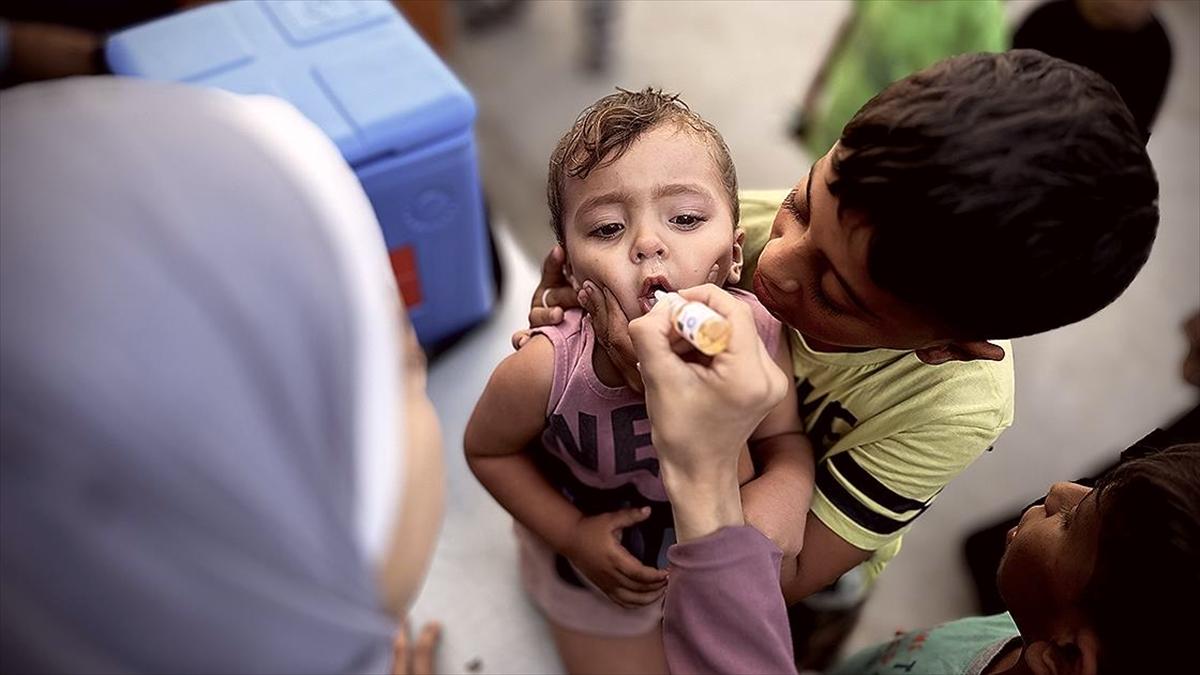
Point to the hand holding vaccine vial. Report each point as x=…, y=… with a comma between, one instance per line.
x=697, y=323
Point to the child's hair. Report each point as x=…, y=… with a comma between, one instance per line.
x=1008, y=194
x=1145, y=585
x=606, y=129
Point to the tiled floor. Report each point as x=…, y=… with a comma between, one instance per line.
x=1083, y=392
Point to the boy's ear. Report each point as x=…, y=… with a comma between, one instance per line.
x=735, y=268
x=978, y=350
x=1075, y=655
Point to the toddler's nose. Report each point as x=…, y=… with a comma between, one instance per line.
x=648, y=246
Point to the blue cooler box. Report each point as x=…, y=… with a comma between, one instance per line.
x=401, y=119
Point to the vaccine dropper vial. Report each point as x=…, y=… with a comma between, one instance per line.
x=697, y=323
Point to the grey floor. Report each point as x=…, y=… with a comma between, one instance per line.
x=1083, y=392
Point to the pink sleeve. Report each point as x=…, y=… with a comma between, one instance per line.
x=724, y=611
x=566, y=337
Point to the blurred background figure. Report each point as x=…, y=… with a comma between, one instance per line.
x=596, y=18
x=881, y=41
x=47, y=39
x=1120, y=39
x=61, y=38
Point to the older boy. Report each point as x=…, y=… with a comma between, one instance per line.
x=988, y=196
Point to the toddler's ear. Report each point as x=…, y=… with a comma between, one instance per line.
x=735, y=268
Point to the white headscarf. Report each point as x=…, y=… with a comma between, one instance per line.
x=199, y=387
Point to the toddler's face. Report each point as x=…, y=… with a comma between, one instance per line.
x=657, y=218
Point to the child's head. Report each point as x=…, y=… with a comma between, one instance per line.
x=1107, y=580
x=988, y=196
x=643, y=195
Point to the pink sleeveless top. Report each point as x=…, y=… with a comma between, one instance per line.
x=597, y=438
x=596, y=450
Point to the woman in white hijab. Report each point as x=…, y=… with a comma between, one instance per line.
x=216, y=452
x=207, y=416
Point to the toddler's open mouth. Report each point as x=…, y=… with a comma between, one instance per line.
x=650, y=285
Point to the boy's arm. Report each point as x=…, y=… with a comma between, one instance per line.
x=823, y=559
x=777, y=501
x=869, y=495
x=510, y=415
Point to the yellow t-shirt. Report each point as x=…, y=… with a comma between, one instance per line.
x=889, y=431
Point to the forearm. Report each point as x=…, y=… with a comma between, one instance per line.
x=515, y=482
x=776, y=502
x=703, y=502
x=723, y=610
x=785, y=463
x=782, y=489
x=824, y=557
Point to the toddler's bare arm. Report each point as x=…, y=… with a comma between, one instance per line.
x=508, y=417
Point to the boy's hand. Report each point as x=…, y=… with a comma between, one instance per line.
x=596, y=550
x=612, y=331
x=553, y=296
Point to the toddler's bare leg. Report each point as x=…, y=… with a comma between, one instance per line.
x=584, y=654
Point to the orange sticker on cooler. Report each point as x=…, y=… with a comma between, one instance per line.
x=404, y=266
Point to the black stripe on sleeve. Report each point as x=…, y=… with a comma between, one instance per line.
x=870, y=486
x=853, y=509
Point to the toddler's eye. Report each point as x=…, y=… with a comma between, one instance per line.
x=608, y=230
x=687, y=221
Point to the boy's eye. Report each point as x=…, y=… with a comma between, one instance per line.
x=687, y=221
x=823, y=300
x=825, y=304
x=608, y=230
x=790, y=204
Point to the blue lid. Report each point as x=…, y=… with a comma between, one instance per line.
x=356, y=69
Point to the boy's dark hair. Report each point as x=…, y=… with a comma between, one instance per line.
x=606, y=129
x=1009, y=194
x=1145, y=587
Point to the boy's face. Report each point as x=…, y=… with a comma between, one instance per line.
x=657, y=218
x=813, y=275
x=1048, y=561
